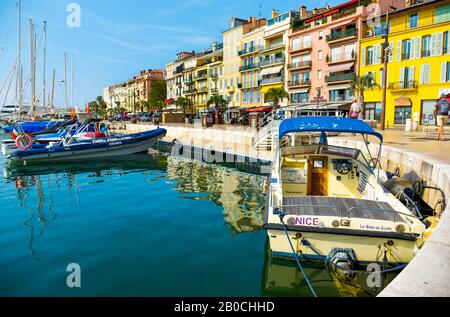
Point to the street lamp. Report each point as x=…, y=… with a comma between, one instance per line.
x=387, y=51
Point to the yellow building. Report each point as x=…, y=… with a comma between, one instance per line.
x=250, y=53
x=419, y=62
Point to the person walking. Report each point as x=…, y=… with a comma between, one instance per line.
x=355, y=110
x=441, y=112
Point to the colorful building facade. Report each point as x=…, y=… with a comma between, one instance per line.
x=419, y=62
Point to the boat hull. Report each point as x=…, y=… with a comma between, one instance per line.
x=98, y=149
x=318, y=245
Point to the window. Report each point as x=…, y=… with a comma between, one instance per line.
x=370, y=55
x=406, y=49
x=426, y=112
x=442, y=14
x=301, y=97
x=446, y=43
x=401, y=114
x=320, y=35
x=445, y=72
x=307, y=41
x=320, y=55
x=296, y=44
x=425, y=74
x=426, y=46
x=373, y=110
x=413, y=20
x=319, y=74
x=335, y=54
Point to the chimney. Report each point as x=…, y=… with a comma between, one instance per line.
x=303, y=12
x=315, y=11
x=275, y=13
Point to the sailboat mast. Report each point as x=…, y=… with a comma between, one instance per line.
x=65, y=81
x=45, y=60
x=53, y=90
x=32, y=63
x=19, y=60
x=73, y=62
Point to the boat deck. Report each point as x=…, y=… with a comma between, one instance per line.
x=339, y=207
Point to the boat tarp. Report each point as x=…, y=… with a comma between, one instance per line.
x=326, y=124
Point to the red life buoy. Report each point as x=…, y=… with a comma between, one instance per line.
x=94, y=135
x=24, y=142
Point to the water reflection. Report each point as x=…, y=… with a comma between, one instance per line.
x=283, y=278
x=240, y=194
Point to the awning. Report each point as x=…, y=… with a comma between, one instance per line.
x=265, y=89
x=403, y=101
x=170, y=101
x=326, y=124
x=298, y=91
x=338, y=87
x=339, y=68
x=271, y=70
x=260, y=109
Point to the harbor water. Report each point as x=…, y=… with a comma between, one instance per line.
x=147, y=225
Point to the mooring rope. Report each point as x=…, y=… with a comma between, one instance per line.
x=296, y=256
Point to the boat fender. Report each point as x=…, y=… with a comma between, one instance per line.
x=343, y=261
x=24, y=142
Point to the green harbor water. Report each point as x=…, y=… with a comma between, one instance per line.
x=150, y=225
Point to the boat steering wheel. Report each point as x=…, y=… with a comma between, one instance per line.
x=344, y=168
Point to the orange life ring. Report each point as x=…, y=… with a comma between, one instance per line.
x=20, y=142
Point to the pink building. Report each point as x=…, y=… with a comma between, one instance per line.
x=323, y=55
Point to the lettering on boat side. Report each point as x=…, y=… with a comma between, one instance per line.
x=371, y=227
x=73, y=280
x=307, y=221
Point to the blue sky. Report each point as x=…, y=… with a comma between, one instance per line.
x=119, y=38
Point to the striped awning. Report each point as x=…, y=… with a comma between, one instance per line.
x=271, y=70
x=339, y=68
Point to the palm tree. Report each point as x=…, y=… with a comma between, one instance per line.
x=185, y=104
x=276, y=95
x=358, y=84
x=218, y=101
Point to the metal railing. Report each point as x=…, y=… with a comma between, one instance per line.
x=341, y=35
x=272, y=80
x=411, y=84
x=339, y=77
x=303, y=46
x=248, y=67
x=293, y=83
x=272, y=61
x=251, y=49
x=300, y=64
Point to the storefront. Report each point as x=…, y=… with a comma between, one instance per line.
x=372, y=111
x=402, y=110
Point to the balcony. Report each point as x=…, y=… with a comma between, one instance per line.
x=274, y=47
x=341, y=15
x=340, y=58
x=403, y=85
x=250, y=50
x=273, y=61
x=339, y=77
x=202, y=90
x=188, y=81
x=214, y=91
x=343, y=35
x=201, y=76
x=300, y=48
x=189, y=91
x=341, y=98
x=249, y=85
x=299, y=83
x=272, y=80
x=214, y=76
x=302, y=64
x=248, y=67
x=406, y=56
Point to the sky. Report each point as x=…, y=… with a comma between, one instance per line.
x=116, y=39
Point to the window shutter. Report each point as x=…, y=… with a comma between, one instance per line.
x=433, y=45
x=427, y=74
x=363, y=56
x=411, y=74
x=402, y=74
x=439, y=44
x=412, y=52
x=399, y=51
x=443, y=72
x=391, y=51
x=380, y=54
x=418, y=46
x=422, y=73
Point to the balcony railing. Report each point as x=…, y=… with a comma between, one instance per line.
x=202, y=89
x=341, y=57
x=201, y=76
x=214, y=90
x=248, y=67
x=300, y=64
x=410, y=84
x=249, y=84
x=293, y=83
x=339, y=77
x=189, y=91
x=251, y=49
x=272, y=61
x=272, y=80
x=303, y=46
x=340, y=98
x=427, y=53
x=406, y=56
x=213, y=76
x=341, y=35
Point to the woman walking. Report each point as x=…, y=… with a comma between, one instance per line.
x=441, y=112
